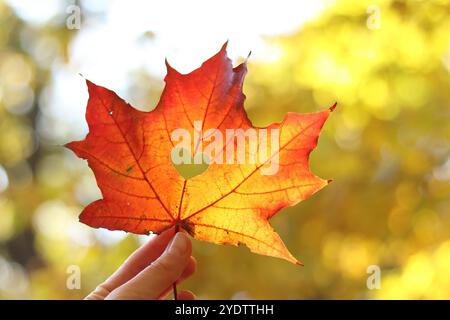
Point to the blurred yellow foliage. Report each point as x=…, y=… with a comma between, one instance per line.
x=387, y=148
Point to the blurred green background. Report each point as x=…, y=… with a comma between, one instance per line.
x=387, y=146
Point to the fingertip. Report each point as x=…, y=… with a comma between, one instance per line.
x=159, y=241
x=190, y=269
x=186, y=295
x=193, y=262
x=166, y=234
x=180, y=245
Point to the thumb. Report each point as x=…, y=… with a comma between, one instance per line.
x=151, y=282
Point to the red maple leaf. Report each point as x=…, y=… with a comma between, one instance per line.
x=129, y=152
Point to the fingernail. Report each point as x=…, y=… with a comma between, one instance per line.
x=179, y=244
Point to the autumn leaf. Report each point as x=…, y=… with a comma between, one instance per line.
x=130, y=152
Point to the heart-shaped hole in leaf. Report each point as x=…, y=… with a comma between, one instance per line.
x=188, y=166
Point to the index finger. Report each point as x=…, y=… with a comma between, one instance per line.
x=138, y=261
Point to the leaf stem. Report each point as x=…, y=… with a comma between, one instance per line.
x=174, y=285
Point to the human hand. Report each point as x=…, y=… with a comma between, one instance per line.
x=151, y=270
